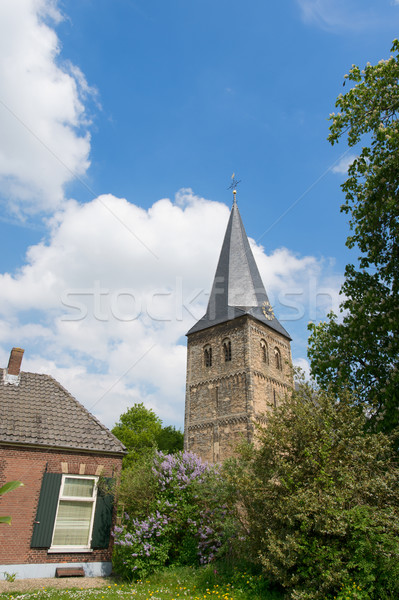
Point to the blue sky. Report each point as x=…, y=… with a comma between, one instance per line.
x=122, y=123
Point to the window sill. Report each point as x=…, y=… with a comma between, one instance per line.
x=68, y=550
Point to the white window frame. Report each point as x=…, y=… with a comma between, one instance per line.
x=93, y=500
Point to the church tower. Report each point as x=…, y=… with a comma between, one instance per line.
x=238, y=355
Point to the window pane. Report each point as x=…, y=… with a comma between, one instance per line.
x=72, y=527
x=83, y=488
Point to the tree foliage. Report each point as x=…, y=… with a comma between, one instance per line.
x=170, y=440
x=362, y=351
x=137, y=429
x=141, y=431
x=319, y=499
x=8, y=487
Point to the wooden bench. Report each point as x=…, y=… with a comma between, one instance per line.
x=69, y=572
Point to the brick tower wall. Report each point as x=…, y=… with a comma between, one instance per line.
x=225, y=399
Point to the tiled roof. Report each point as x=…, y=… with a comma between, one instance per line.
x=41, y=412
x=237, y=288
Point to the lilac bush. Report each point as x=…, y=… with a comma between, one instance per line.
x=178, y=470
x=185, y=524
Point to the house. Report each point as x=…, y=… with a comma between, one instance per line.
x=238, y=354
x=67, y=460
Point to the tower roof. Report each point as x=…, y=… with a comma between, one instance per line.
x=237, y=288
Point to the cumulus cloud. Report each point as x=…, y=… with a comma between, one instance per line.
x=299, y=286
x=44, y=140
x=303, y=364
x=105, y=303
x=343, y=165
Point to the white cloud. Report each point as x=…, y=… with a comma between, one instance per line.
x=103, y=306
x=343, y=165
x=297, y=286
x=337, y=15
x=44, y=141
x=315, y=11
x=304, y=365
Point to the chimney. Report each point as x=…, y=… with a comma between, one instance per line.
x=14, y=364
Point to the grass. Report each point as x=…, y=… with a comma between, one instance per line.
x=180, y=583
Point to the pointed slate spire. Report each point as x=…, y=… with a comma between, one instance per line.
x=237, y=288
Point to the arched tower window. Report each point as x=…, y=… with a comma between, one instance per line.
x=208, y=356
x=265, y=351
x=277, y=357
x=227, y=350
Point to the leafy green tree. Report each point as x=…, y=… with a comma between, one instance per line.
x=362, y=351
x=170, y=440
x=141, y=431
x=319, y=499
x=137, y=429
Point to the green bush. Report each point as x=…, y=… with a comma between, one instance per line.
x=319, y=499
x=179, y=518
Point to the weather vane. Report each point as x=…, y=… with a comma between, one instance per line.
x=234, y=183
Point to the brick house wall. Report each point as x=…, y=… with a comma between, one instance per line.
x=28, y=465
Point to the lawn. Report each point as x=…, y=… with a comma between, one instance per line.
x=171, y=584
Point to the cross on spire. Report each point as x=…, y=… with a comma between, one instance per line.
x=234, y=183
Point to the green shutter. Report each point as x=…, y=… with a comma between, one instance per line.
x=103, y=515
x=46, y=511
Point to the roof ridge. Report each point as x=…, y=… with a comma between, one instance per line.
x=108, y=431
x=41, y=411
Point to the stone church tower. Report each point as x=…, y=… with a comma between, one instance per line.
x=238, y=355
